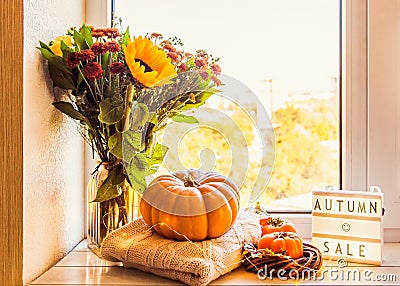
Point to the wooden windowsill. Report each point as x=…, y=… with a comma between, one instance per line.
x=82, y=267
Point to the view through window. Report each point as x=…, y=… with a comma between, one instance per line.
x=287, y=53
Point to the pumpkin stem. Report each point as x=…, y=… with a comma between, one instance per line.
x=189, y=181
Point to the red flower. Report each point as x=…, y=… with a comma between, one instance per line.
x=203, y=74
x=112, y=47
x=111, y=32
x=98, y=48
x=202, y=54
x=200, y=62
x=166, y=45
x=86, y=55
x=117, y=68
x=216, y=80
x=98, y=34
x=174, y=56
x=170, y=48
x=73, y=59
x=93, y=71
x=188, y=55
x=216, y=69
x=182, y=67
x=156, y=35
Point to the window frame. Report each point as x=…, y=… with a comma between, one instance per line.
x=355, y=95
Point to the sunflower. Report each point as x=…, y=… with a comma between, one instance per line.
x=148, y=64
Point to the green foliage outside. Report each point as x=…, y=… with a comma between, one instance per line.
x=306, y=149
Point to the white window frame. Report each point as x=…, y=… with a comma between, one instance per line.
x=361, y=105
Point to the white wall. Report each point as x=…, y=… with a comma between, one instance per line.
x=53, y=149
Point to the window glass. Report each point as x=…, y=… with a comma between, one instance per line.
x=285, y=53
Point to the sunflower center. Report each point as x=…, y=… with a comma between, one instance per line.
x=146, y=66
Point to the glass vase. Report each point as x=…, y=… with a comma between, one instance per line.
x=104, y=217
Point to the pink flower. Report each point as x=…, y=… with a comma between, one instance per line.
x=93, y=71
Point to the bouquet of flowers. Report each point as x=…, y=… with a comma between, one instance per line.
x=121, y=91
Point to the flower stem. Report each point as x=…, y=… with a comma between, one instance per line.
x=128, y=105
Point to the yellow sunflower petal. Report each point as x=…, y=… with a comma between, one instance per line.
x=140, y=54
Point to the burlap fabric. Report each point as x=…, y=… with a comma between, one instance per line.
x=136, y=245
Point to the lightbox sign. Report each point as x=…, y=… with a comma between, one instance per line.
x=348, y=224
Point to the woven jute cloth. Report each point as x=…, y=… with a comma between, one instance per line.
x=136, y=245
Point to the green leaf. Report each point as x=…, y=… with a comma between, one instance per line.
x=65, y=50
x=55, y=60
x=201, y=97
x=79, y=80
x=119, y=176
x=80, y=41
x=60, y=74
x=115, y=145
x=68, y=109
x=44, y=46
x=139, y=115
x=158, y=153
x=107, y=189
x=111, y=110
x=153, y=118
x=137, y=171
x=126, y=37
x=185, y=119
x=141, y=162
x=87, y=35
x=47, y=53
x=104, y=62
x=131, y=144
x=60, y=78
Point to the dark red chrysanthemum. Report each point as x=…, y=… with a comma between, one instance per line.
x=98, y=48
x=216, y=80
x=155, y=35
x=216, y=69
x=200, y=62
x=174, y=56
x=86, y=55
x=112, y=47
x=188, y=55
x=98, y=34
x=93, y=71
x=170, y=48
x=111, y=32
x=203, y=74
x=182, y=67
x=117, y=68
x=73, y=59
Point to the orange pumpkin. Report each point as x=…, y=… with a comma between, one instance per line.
x=269, y=225
x=287, y=243
x=190, y=204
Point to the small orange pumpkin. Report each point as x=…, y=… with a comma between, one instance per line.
x=190, y=204
x=287, y=243
x=276, y=224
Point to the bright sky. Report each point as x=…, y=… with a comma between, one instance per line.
x=293, y=42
